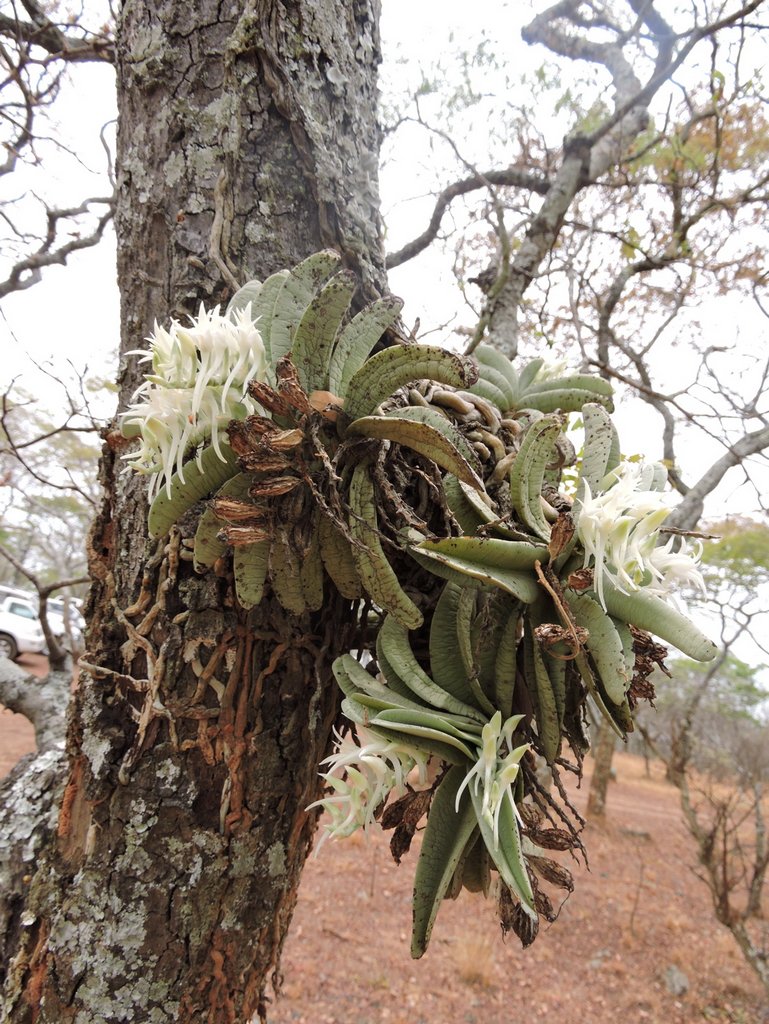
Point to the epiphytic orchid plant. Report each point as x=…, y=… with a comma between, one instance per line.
x=427, y=489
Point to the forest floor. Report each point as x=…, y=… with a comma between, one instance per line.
x=636, y=942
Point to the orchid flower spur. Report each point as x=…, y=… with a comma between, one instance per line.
x=362, y=778
x=619, y=530
x=495, y=771
x=199, y=381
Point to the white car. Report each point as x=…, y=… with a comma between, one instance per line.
x=20, y=629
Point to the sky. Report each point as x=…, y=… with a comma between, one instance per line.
x=72, y=315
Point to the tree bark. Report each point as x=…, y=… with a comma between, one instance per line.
x=247, y=140
x=42, y=701
x=599, y=784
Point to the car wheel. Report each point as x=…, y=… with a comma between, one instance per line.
x=8, y=646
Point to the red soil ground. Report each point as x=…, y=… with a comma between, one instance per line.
x=638, y=912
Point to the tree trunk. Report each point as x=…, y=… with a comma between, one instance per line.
x=247, y=140
x=599, y=784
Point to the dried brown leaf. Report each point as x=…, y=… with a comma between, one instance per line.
x=273, y=486
x=238, y=536
x=581, y=579
x=513, y=918
x=562, y=532
x=552, y=838
x=552, y=872
x=269, y=398
x=234, y=511
x=404, y=816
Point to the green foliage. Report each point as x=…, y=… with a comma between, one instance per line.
x=715, y=718
x=736, y=690
x=740, y=554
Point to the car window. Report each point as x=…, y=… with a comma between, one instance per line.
x=17, y=608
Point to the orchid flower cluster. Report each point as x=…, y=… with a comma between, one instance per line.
x=362, y=778
x=198, y=383
x=493, y=774
x=620, y=532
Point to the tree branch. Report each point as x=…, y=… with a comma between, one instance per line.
x=47, y=254
x=513, y=177
x=58, y=656
x=42, y=701
x=663, y=72
x=46, y=34
x=587, y=157
x=686, y=515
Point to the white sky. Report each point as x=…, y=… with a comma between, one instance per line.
x=72, y=314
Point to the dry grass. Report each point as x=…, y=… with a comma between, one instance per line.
x=474, y=955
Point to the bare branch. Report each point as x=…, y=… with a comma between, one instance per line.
x=586, y=157
x=35, y=52
x=15, y=448
x=664, y=70
x=512, y=177
x=42, y=32
x=43, y=589
x=42, y=701
x=27, y=272
x=686, y=515
x=58, y=656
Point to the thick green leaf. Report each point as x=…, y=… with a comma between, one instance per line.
x=356, y=340
x=315, y=335
x=652, y=613
x=199, y=477
x=507, y=853
x=249, y=567
x=444, y=839
x=396, y=646
x=420, y=437
x=382, y=375
x=445, y=659
x=296, y=295
x=521, y=585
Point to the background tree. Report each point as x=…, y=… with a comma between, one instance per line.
x=50, y=489
x=710, y=733
x=216, y=114
x=619, y=242
x=38, y=45
x=728, y=823
x=730, y=689
x=48, y=486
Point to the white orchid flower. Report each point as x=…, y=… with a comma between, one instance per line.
x=496, y=769
x=620, y=533
x=198, y=384
x=675, y=569
x=362, y=778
